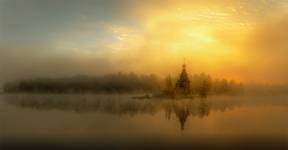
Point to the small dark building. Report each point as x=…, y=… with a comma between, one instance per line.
x=182, y=86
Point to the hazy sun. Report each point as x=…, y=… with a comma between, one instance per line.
x=206, y=37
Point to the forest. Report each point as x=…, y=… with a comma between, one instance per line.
x=123, y=83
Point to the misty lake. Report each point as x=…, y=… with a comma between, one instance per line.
x=121, y=122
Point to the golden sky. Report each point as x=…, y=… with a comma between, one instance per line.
x=244, y=40
x=223, y=38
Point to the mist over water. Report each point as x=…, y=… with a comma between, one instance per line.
x=119, y=121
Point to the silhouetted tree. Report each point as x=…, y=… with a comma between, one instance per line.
x=205, y=87
x=169, y=86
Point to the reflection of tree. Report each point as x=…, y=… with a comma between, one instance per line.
x=204, y=108
x=122, y=105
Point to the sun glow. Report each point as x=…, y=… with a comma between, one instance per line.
x=206, y=37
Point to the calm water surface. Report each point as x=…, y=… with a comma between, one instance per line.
x=121, y=122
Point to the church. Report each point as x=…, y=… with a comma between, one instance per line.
x=182, y=86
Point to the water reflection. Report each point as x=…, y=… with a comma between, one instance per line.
x=185, y=108
x=109, y=121
x=122, y=105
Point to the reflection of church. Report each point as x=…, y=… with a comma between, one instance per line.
x=182, y=113
x=184, y=108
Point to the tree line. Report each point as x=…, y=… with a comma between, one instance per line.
x=115, y=83
x=123, y=83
